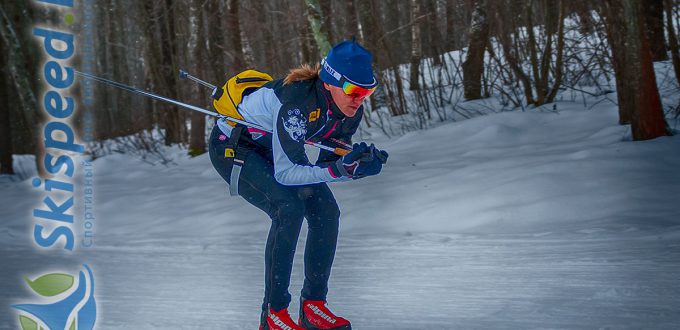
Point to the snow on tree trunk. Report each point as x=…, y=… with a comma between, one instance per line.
x=315, y=17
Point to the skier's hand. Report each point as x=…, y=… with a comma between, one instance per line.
x=381, y=154
x=346, y=165
x=359, y=151
x=371, y=165
x=362, y=161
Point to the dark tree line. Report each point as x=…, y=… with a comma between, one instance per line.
x=20, y=61
x=529, y=56
x=635, y=33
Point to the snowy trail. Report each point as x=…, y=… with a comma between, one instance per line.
x=422, y=281
x=525, y=220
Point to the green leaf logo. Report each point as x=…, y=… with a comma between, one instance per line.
x=69, y=19
x=51, y=284
x=27, y=323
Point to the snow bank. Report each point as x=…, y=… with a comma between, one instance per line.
x=512, y=172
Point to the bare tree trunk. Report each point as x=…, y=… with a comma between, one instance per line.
x=559, y=63
x=672, y=38
x=653, y=24
x=108, y=66
x=450, y=43
x=197, y=135
x=216, y=50
x=326, y=10
x=310, y=52
x=28, y=109
x=175, y=129
x=123, y=112
x=647, y=118
x=533, y=53
x=543, y=70
x=435, y=39
x=316, y=19
x=151, y=56
x=505, y=38
x=235, y=43
x=617, y=42
x=248, y=53
x=6, y=149
x=265, y=40
x=416, y=46
x=375, y=37
x=473, y=67
x=552, y=26
x=352, y=22
x=587, y=23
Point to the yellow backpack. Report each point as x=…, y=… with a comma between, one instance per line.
x=228, y=98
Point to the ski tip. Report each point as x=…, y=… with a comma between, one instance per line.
x=182, y=74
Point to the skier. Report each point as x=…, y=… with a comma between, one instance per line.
x=273, y=173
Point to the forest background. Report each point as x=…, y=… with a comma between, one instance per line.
x=429, y=58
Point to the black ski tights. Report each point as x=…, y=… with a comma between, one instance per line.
x=287, y=206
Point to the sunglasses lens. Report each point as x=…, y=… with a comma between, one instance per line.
x=356, y=91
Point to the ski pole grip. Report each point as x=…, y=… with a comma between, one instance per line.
x=341, y=151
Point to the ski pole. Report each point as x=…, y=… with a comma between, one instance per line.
x=185, y=75
x=338, y=151
x=169, y=100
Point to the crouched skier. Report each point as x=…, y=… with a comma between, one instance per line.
x=272, y=172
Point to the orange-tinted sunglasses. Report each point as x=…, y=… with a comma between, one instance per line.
x=355, y=90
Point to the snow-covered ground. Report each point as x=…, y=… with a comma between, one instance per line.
x=518, y=220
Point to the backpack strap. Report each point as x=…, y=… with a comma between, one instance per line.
x=237, y=155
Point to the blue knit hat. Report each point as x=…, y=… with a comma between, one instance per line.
x=349, y=60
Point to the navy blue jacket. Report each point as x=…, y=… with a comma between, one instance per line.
x=295, y=113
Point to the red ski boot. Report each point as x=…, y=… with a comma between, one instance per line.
x=315, y=315
x=278, y=321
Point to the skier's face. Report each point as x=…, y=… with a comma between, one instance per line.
x=348, y=104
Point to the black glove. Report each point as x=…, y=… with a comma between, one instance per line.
x=381, y=154
x=371, y=165
x=362, y=161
